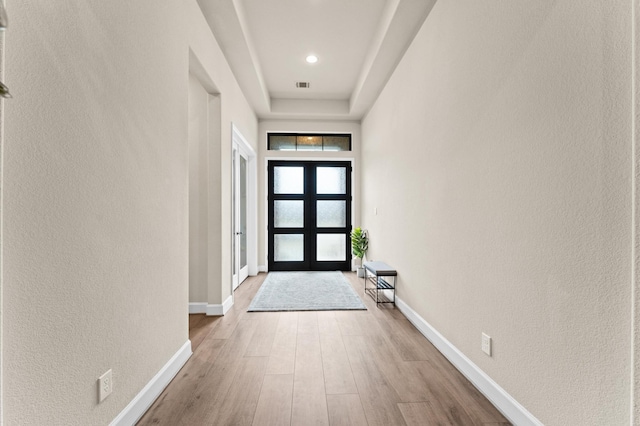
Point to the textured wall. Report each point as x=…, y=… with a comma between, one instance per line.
x=95, y=175
x=636, y=259
x=499, y=159
x=2, y=108
x=198, y=190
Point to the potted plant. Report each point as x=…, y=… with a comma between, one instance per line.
x=359, y=246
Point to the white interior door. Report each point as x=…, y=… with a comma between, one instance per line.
x=240, y=203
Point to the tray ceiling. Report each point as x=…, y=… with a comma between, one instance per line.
x=358, y=44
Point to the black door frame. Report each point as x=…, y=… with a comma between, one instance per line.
x=310, y=229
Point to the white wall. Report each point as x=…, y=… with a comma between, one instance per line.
x=198, y=200
x=205, y=184
x=2, y=109
x=284, y=126
x=499, y=159
x=95, y=201
x=636, y=231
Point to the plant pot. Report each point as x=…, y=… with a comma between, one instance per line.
x=360, y=272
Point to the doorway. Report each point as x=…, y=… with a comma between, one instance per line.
x=309, y=212
x=239, y=238
x=244, y=210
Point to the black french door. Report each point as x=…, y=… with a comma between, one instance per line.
x=309, y=215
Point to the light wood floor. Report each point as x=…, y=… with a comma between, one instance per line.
x=316, y=368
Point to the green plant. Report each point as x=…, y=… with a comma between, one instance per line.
x=359, y=243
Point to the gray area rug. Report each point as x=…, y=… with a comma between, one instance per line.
x=306, y=291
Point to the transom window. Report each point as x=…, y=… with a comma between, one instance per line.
x=308, y=142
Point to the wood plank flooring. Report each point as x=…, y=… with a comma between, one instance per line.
x=316, y=368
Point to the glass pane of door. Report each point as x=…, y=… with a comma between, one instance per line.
x=288, y=247
x=288, y=180
x=243, y=212
x=331, y=180
x=288, y=213
x=234, y=208
x=331, y=213
x=331, y=247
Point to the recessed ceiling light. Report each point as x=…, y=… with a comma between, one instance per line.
x=312, y=59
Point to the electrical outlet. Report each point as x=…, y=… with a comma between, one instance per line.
x=486, y=344
x=105, y=386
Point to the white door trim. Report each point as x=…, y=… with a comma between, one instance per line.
x=239, y=142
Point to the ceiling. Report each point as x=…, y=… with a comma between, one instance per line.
x=358, y=44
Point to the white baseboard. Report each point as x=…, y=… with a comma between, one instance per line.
x=227, y=305
x=262, y=268
x=512, y=410
x=141, y=403
x=211, y=309
x=219, y=310
x=197, y=307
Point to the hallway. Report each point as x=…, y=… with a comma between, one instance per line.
x=495, y=164
x=301, y=368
